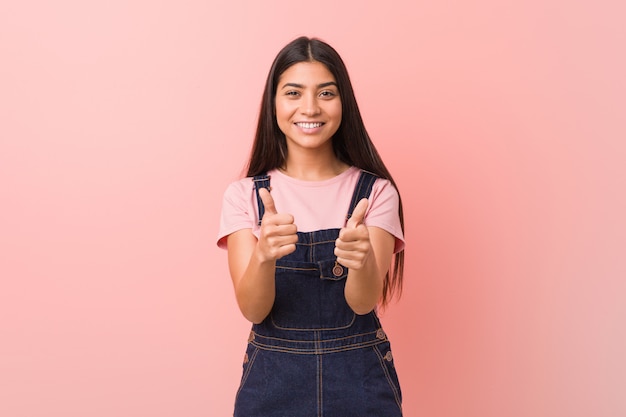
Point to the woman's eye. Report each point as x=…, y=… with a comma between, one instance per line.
x=327, y=93
x=291, y=93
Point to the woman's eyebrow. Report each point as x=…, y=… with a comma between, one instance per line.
x=322, y=85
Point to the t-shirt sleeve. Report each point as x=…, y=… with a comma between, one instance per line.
x=384, y=211
x=236, y=210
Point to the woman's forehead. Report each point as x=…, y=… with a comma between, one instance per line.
x=302, y=72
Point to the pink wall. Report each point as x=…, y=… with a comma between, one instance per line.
x=122, y=122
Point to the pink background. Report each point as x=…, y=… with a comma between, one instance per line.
x=122, y=122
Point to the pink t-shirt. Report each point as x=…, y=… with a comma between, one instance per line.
x=315, y=205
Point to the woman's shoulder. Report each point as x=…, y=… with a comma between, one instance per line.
x=380, y=183
x=239, y=190
x=240, y=184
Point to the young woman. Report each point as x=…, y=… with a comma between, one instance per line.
x=315, y=243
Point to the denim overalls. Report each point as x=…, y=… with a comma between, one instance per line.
x=313, y=356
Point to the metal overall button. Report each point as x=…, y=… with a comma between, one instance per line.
x=380, y=334
x=337, y=270
x=245, y=358
x=389, y=356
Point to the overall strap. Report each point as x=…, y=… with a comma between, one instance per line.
x=362, y=190
x=261, y=181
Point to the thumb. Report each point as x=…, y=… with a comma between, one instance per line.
x=358, y=214
x=268, y=201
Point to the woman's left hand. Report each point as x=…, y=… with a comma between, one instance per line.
x=353, y=246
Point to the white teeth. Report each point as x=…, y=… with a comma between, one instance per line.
x=309, y=125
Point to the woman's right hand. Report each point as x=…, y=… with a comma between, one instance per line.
x=278, y=236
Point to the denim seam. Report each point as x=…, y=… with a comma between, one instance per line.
x=320, y=392
x=247, y=372
x=316, y=350
x=336, y=339
x=303, y=329
x=381, y=360
x=293, y=268
x=314, y=243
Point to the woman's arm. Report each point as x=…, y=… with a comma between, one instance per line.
x=367, y=253
x=252, y=262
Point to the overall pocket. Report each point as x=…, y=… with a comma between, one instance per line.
x=311, y=296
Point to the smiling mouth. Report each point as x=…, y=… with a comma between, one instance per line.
x=305, y=125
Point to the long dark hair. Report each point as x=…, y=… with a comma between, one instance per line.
x=351, y=143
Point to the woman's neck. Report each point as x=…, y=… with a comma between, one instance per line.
x=313, y=168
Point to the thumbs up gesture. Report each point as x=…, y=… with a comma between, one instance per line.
x=278, y=232
x=353, y=245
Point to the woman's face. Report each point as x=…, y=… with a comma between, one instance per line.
x=308, y=106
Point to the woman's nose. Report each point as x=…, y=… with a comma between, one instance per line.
x=310, y=106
